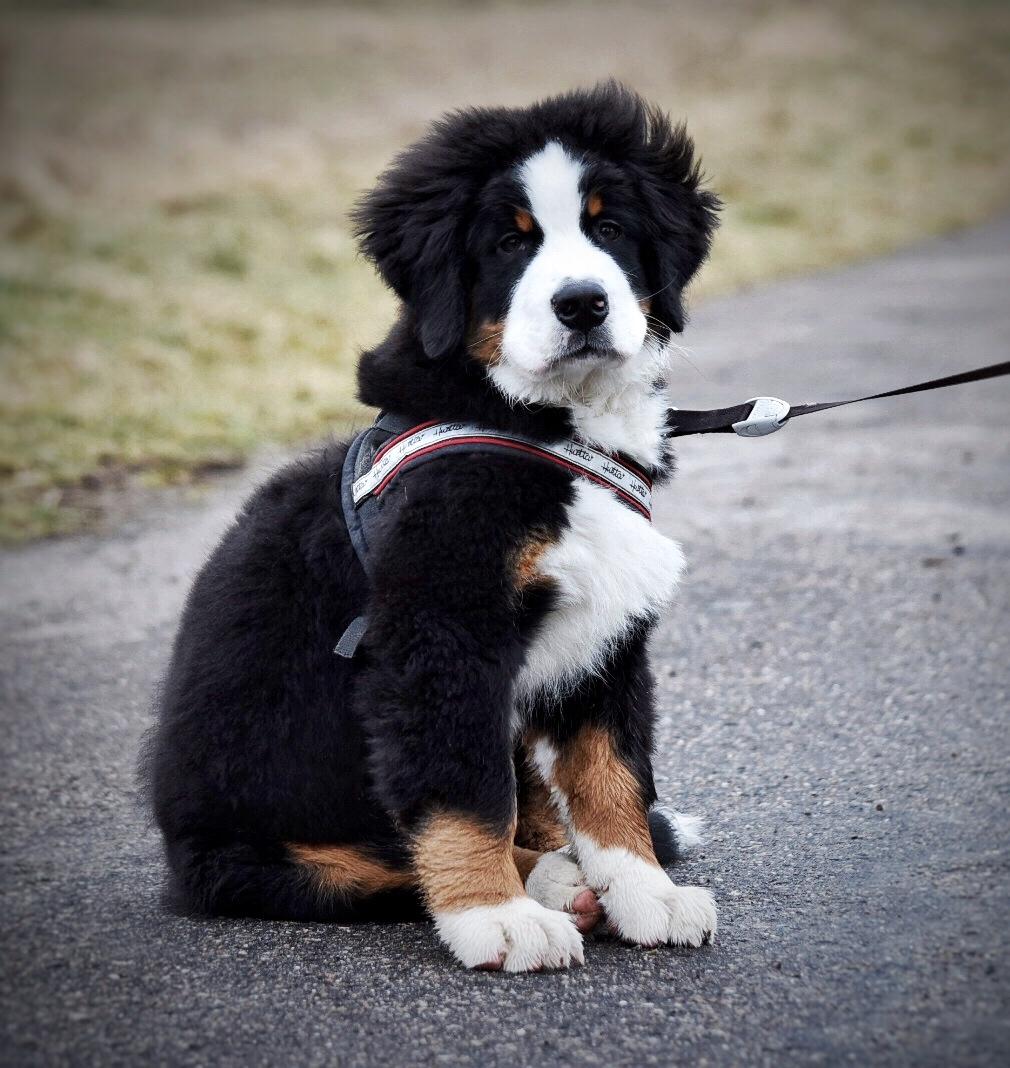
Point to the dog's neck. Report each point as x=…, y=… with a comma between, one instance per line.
x=615, y=406
x=612, y=408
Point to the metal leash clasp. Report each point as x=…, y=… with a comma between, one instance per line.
x=768, y=415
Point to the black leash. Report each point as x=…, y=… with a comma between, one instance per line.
x=376, y=455
x=764, y=415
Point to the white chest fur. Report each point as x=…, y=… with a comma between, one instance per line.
x=610, y=567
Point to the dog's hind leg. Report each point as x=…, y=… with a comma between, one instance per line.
x=550, y=874
x=290, y=882
x=364, y=882
x=556, y=881
x=539, y=826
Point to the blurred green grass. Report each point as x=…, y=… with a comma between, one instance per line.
x=177, y=282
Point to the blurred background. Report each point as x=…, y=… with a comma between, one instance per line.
x=177, y=283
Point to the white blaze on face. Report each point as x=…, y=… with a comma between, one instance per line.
x=533, y=337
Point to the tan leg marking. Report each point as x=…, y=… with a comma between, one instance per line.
x=540, y=826
x=610, y=835
x=525, y=860
x=459, y=864
x=604, y=798
x=348, y=869
x=345, y=868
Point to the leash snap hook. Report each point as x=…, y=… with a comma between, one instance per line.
x=768, y=415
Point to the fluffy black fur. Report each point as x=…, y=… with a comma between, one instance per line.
x=416, y=224
x=264, y=737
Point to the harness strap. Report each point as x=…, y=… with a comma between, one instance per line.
x=631, y=485
x=763, y=415
x=358, y=520
x=392, y=445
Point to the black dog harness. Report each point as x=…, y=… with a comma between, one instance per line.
x=393, y=445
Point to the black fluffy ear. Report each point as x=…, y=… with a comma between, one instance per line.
x=681, y=216
x=412, y=227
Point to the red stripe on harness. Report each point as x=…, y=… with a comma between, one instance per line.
x=506, y=444
x=399, y=437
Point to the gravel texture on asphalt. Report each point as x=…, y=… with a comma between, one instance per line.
x=834, y=689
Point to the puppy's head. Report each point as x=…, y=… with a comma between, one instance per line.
x=547, y=244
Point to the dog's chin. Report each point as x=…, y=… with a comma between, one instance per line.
x=590, y=352
x=556, y=377
x=577, y=358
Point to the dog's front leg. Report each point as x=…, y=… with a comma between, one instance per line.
x=595, y=754
x=468, y=874
x=605, y=805
x=437, y=706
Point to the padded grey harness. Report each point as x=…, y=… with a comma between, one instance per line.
x=392, y=445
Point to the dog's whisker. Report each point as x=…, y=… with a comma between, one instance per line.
x=662, y=289
x=490, y=337
x=683, y=353
x=674, y=346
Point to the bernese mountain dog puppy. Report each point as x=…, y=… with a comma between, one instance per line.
x=484, y=753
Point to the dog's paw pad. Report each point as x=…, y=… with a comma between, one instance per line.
x=518, y=936
x=587, y=910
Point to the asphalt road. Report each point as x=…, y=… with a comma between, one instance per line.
x=835, y=696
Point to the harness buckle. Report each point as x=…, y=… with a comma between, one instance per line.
x=768, y=415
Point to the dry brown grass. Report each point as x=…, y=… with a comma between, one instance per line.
x=177, y=280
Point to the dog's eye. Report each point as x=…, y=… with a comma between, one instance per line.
x=510, y=244
x=608, y=230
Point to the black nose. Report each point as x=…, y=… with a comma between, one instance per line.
x=580, y=305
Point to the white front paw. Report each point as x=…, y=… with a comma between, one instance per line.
x=645, y=907
x=517, y=936
x=556, y=881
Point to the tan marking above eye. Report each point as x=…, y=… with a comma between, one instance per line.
x=460, y=863
x=524, y=221
x=594, y=205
